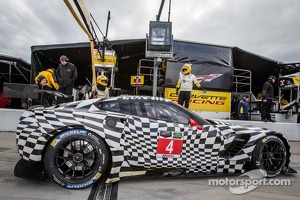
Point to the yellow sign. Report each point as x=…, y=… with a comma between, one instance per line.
x=296, y=80
x=137, y=80
x=110, y=59
x=212, y=101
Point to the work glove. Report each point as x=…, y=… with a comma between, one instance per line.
x=94, y=94
x=203, y=90
x=177, y=91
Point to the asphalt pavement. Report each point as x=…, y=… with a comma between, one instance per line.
x=12, y=187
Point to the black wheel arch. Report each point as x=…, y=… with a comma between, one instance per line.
x=248, y=165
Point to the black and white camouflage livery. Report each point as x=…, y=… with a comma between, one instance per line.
x=130, y=140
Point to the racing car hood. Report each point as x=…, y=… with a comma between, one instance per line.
x=238, y=129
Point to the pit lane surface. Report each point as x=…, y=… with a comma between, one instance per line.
x=12, y=187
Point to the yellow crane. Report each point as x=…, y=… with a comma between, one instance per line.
x=101, y=57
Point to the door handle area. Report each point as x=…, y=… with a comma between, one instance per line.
x=165, y=133
x=123, y=120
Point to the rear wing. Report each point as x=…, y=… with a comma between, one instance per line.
x=17, y=90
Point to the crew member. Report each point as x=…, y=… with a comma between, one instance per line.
x=44, y=98
x=185, y=85
x=243, y=108
x=101, y=91
x=50, y=76
x=66, y=74
x=267, y=99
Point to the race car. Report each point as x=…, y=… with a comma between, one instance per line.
x=76, y=143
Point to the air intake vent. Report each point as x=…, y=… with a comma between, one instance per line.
x=237, y=144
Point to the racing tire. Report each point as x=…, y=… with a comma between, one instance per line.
x=270, y=155
x=76, y=158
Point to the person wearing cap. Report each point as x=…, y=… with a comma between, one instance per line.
x=44, y=98
x=66, y=74
x=50, y=76
x=185, y=84
x=267, y=99
x=243, y=108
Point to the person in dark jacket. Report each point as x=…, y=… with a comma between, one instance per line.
x=66, y=74
x=267, y=99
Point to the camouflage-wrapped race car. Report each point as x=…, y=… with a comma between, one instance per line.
x=78, y=142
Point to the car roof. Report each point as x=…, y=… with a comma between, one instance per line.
x=136, y=97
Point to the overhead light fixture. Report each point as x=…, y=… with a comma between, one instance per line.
x=159, y=44
x=160, y=36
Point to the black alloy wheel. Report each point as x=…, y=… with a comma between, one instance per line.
x=76, y=159
x=270, y=154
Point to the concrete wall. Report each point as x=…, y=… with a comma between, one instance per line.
x=291, y=131
x=9, y=119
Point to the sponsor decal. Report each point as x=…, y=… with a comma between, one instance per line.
x=211, y=101
x=83, y=185
x=167, y=156
x=207, y=78
x=177, y=135
x=68, y=132
x=54, y=142
x=93, y=136
x=58, y=181
x=72, y=131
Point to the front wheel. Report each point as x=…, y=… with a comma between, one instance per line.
x=76, y=158
x=270, y=154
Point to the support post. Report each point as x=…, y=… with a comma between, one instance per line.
x=157, y=61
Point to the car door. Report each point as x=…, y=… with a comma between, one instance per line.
x=165, y=135
x=201, y=142
x=152, y=138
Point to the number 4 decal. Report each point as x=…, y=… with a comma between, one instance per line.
x=169, y=146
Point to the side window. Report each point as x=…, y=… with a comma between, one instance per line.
x=158, y=111
x=125, y=107
x=163, y=113
x=110, y=106
x=179, y=116
x=137, y=109
x=149, y=109
x=116, y=106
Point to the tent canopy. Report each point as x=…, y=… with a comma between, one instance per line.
x=129, y=53
x=13, y=69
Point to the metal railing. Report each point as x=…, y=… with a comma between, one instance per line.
x=146, y=68
x=242, y=80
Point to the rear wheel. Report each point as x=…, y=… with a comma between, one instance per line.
x=76, y=158
x=270, y=154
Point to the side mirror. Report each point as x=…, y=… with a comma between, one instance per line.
x=195, y=124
